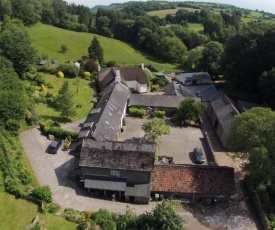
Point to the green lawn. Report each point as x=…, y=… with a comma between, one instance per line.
x=196, y=27
x=14, y=213
x=83, y=96
x=246, y=20
x=48, y=39
x=53, y=221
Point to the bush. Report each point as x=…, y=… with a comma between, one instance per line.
x=72, y=215
x=104, y=218
x=68, y=70
x=60, y=133
x=36, y=227
x=43, y=193
x=60, y=74
x=111, y=64
x=135, y=112
x=158, y=113
x=43, y=88
x=86, y=75
x=49, y=85
x=52, y=208
x=63, y=48
x=154, y=88
x=12, y=125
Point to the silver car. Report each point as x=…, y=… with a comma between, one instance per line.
x=199, y=156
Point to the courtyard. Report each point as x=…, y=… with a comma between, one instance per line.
x=179, y=144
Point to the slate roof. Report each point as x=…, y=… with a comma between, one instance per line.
x=246, y=105
x=117, y=155
x=224, y=110
x=175, y=88
x=183, y=77
x=163, y=101
x=103, y=122
x=141, y=190
x=194, y=179
x=105, y=182
x=107, y=75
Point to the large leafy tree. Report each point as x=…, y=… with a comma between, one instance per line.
x=163, y=216
x=267, y=87
x=95, y=51
x=248, y=55
x=189, y=110
x=64, y=101
x=211, y=58
x=154, y=129
x=15, y=45
x=252, y=135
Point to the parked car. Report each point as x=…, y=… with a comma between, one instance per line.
x=54, y=146
x=199, y=156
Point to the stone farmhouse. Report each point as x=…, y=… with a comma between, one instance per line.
x=128, y=170
x=133, y=77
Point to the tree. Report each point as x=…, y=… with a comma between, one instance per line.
x=12, y=103
x=252, y=135
x=189, y=110
x=64, y=101
x=15, y=44
x=194, y=57
x=163, y=216
x=172, y=49
x=267, y=87
x=95, y=51
x=154, y=129
x=211, y=58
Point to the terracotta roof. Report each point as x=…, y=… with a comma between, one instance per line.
x=117, y=155
x=195, y=179
x=156, y=100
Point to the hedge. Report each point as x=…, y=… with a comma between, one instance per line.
x=158, y=113
x=135, y=112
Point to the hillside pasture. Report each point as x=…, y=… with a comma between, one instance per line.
x=163, y=13
x=48, y=40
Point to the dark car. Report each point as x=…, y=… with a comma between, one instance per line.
x=54, y=146
x=199, y=156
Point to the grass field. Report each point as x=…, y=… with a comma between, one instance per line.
x=246, y=20
x=14, y=213
x=163, y=13
x=195, y=26
x=53, y=221
x=83, y=96
x=48, y=39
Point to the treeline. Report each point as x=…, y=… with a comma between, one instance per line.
x=54, y=12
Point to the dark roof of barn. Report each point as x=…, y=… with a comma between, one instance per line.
x=103, y=122
x=117, y=155
x=224, y=110
x=155, y=101
x=182, y=77
x=195, y=179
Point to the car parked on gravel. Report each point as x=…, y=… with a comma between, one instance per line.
x=199, y=156
x=54, y=146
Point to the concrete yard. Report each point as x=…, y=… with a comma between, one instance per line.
x=179, y=144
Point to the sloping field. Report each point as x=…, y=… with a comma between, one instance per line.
x=48, y=39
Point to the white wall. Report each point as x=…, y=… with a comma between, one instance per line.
x=132, y=84
x=142, y=88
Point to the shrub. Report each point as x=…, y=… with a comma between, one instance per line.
x=12, y=185
x=135, y=112
x=52, y=207
x=68, y=70
x=43, y=193
x=43, y=88
x=60, y=74
x=155, y=88
x=158, y=113
x=36, y=227
x=39, y=79
x=86, y=75
x=111, y=64
x=12, y=125
x=104, y=218
x=72, y=215
x=61, y=133
x=63, y=48
x=49, y=85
